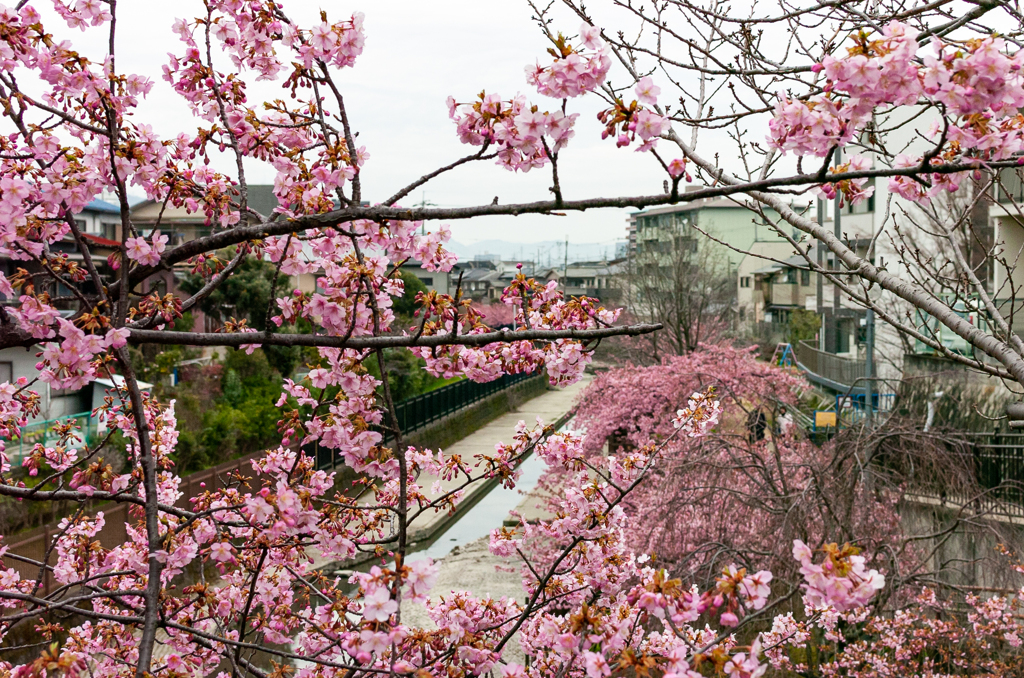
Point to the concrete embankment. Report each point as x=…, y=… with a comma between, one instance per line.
x=552, y=407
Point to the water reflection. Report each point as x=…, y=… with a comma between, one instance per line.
x=485, y=515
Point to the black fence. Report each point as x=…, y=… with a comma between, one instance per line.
x=416, y=412
x=984, y=472
x=998, y=462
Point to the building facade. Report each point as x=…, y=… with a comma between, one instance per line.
x=715, y=237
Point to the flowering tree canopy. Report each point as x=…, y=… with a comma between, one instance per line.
x=71, y=132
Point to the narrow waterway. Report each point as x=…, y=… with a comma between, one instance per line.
x=488, y=513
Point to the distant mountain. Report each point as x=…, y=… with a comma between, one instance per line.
x=545, y=252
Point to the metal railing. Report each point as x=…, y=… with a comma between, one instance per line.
x=841, y=371
x=852, y=409
x=995, y=463
x=416, y=412
x=999, y=467
x=42, y=432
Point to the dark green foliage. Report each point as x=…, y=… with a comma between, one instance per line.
x=803, y=325
x=406, y=375
x=405, y=306
x=227, y=410
x=154, y=363
x=247, y=295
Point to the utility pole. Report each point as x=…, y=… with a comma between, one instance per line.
x=424, y=203
x=565, y=264
x=869, y=366
x=835, y=288
x=869, y=360
x=821, y=279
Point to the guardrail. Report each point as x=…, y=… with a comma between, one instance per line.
x=416, y=412
x=842, y=372
x=853, y=409
x=993, y=463
x=998, y=461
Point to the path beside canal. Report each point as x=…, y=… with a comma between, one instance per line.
x=551, y=407
x=485, y=504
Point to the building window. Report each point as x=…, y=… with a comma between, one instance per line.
x=805, y=278
x=745, y=281
x=685, y=243
x=790, y=278
x=429, y=282
x=109, y=230
x=844, y=330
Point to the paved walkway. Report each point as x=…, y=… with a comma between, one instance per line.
x=549, y=406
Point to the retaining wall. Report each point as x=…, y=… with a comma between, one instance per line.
x=964, y=550
x=458, y=425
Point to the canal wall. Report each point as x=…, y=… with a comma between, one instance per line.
x=963, y=545
x=453, y=428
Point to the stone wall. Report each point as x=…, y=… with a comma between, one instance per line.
x=962, y=549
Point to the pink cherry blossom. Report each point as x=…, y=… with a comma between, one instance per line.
x=646, y=91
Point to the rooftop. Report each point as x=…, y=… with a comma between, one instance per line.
x=102, y=206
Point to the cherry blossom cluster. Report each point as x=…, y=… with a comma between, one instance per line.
x=929, y=638
x=840, y=581
x=978, y=87
x=536, y=306
x=700, y=414
x=627, y=122
x=853, y=191
x=17, y=404
x=70, y=364
x=811, y=127
x=612, y=592
x=704, y=482
x=736, y=589
x=146, y=252
x=575, y=70
x=522, y=134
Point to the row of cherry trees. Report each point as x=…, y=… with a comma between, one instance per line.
x=720, y=506
x=593, y=605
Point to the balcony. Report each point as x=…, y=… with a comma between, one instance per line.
x=782, y=294
x=1010, y=186
x=829, y=370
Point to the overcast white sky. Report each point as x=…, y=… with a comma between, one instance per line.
x=417, y=53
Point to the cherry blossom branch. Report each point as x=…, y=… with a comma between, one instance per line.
x=384, y=341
